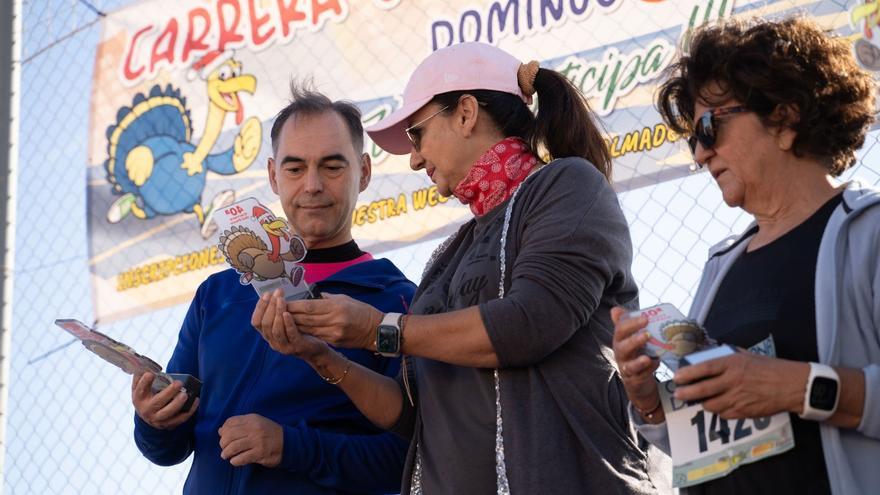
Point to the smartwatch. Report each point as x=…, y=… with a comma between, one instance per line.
x=388, y=336
x=822, y=394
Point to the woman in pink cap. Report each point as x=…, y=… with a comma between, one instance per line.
x=508, y=384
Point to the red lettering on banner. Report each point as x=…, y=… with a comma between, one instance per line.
x=126, y=69
x=319, y=7
x=256, y=22
x=289, y=14
x=169, y=36
x=227, y=25
x=228, y=33
x=194, y=41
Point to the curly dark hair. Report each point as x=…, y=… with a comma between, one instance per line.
x=772, y=67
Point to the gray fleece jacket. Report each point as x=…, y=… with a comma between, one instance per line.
x=847, y=328
x=565, y=427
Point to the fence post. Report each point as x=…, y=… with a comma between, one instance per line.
x=10, y=65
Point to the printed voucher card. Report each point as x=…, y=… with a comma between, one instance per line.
x=129, y=361
x=262, y=249
x=672, y=335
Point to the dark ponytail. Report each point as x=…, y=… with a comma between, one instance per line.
x=563, y=127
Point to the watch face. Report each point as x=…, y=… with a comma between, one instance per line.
x=386, y=339
x=823, y=393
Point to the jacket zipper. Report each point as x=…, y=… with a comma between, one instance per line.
x=232, y=486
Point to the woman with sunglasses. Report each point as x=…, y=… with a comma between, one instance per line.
x=776, y=111
x=508, y=385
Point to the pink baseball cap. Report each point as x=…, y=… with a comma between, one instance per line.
x=461, y=67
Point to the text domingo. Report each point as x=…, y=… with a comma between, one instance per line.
x=517, y=17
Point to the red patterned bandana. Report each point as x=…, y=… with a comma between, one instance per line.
x=496, y=175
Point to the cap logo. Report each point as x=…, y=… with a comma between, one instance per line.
x=447, y=77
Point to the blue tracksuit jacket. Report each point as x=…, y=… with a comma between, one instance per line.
x=329, y=447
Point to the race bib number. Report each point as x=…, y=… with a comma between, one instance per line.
x=705, y=446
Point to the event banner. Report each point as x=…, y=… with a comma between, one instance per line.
x=185, y=94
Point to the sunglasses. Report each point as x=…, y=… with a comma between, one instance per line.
x=414, y=132
x=706, y=129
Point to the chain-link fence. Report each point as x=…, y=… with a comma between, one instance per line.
x=80, y=253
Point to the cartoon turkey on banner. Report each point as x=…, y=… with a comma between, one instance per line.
x=261, y=248
x=155, y=164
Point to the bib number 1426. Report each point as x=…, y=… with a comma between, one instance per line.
x=720, y=428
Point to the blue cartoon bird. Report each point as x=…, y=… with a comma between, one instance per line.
x=153, y=163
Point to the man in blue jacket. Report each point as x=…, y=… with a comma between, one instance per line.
x=266, y=422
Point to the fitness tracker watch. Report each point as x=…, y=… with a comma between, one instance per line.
x=388, y=336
